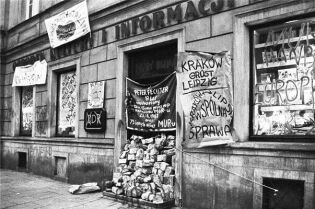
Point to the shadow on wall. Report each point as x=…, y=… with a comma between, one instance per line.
x=89, y=172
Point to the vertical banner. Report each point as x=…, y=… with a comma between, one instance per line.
x=205, y=90
x=96, y=94
x=151, y=107
x=68, y=25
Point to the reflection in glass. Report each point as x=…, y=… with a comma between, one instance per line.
x=284, y=79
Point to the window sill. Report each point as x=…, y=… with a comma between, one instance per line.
x=65, y=140
x=288, y=146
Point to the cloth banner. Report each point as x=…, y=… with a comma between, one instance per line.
x=30, y=75
x=68, y=25
x=206, y=95
x=151, y=107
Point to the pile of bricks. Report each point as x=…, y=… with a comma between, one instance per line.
x=146, y=169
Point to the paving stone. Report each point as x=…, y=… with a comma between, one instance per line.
x=23, y=190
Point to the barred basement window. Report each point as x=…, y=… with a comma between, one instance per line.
x=27, y=106
x=284, y=79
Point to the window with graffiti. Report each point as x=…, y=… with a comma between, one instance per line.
x=27, y=105
x=67, y=104
x=284, y=78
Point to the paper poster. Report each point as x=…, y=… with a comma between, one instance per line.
x=67, y=100
x=30, y=75
x=96, y=94
x=68, y=25
x=205, y=90
x=151, y=107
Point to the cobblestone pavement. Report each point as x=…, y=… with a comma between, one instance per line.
x=27, y=191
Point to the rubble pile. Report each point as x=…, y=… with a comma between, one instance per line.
x=146, y=169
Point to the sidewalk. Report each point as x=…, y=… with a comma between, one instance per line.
x=27, y=191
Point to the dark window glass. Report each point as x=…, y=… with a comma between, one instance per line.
x=152, y=64
x=290, y=194
x=284, y=79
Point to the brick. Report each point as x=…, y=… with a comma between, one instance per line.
x=106, y=70
x=84, y=92
x=215, y=44
x=222, y=23
x=88, y=74
x=85, y=58
x=111, y=34
x=82, y=132
x=96, y=135
x=96, y=38
x=110, y=128
x=122, y=161
x=38, y=100
x=98, y=54
x=8, y=78
x=83, y=106
x=169, y=180
x=7, y=103
x=110, y=91
x=44, y=98
x=110, y=105
x=8, y=91
x=41, y=88
x=198, y=29
x=112, y=51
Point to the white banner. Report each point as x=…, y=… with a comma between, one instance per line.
x=205, y=90
x=68, y=25
x=30, y=75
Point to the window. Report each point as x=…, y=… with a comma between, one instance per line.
x=284, y=79
x=32, y=8
x=151, y=65
x=27, y=107
x=67, y=104
x=290, y=195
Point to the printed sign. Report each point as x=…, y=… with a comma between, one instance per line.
x=68, y=25
x=205, y=89
x=95, y=120
x=30, y=75
x=96, y=94
x=151, y=107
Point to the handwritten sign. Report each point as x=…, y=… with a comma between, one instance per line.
x=68, y=25
x=96, y=94
x=95, y=120
x=151, y=107
x=30, y=75
x=205, y=89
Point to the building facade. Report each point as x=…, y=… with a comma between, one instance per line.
x=272, y=47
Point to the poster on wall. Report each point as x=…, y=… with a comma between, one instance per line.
x=30, y=75
x=151, y=107
x=205, y=91
x=96, y=94
x=68, y=25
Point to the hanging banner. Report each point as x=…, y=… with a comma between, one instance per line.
x=30, y=75
x=96, y=94
x=68, y=25
x=205, y=90
x=151, y=107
